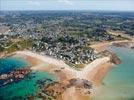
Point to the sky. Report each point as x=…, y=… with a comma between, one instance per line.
x=106, y=5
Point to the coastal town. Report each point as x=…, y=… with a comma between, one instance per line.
x=73, y=47
x=62, y=37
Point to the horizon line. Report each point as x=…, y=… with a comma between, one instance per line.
x=74, y=10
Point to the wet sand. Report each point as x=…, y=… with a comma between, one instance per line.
x=97, y=74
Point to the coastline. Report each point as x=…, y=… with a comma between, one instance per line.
x=118, y=82
x=93, y=72
x=64, y=72
x=102, y=46
x=54, y=64
x=3, y=55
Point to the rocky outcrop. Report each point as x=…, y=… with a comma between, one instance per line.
x=132, y=47
x=115, y=59
x=80, y=83
x=13, y=76
x=129, y=44
x=121, y=44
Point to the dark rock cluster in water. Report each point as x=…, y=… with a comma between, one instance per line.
x=13, y=76
x=132, y=47
x=115, y=59
x=42, y=83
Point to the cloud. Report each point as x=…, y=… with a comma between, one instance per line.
x=67, y=2
x=34, y=3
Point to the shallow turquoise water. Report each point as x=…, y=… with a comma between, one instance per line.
x=10, y=63
x=27, y=86
x=119, y=82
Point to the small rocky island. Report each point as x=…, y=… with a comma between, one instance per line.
x=13, y=76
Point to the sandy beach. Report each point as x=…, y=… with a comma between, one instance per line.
x=93, y=72
x=54, y=64
x=51, y=65
x=102, y=46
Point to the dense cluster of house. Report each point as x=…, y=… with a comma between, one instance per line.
x=60, y=35
x=71, y=49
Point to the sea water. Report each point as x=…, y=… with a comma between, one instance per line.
x=10, y=63
x=119, y=82
x=24, y=88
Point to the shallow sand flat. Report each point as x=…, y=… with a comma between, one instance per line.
x=97, y=74
x=95, y=64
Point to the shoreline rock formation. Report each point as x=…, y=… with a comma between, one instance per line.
x=115, y=59
x=13, y=76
